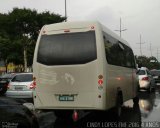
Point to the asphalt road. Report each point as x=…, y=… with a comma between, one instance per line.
x=144, y=115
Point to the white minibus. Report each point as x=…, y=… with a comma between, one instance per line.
x=82, y=66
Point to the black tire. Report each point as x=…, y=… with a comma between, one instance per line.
x=149, y=90
x=35, y=124
x=119, y=102
x=63, y=114
x=153, y=89
x=138, y=88
x=136, y=100
x=3, y=91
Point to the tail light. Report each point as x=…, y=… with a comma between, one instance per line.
x=66, y=30
x=145, y=78
x=100, y=82
x=33, y=84
x=8, y=85
x=100, y=79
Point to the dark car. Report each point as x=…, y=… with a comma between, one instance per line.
x=13, y=114
x=4, y=80
x=156, y=76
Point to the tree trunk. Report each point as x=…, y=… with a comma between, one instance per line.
x=25, y=59
x=6, y=65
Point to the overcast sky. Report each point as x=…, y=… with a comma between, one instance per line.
x=138, y=17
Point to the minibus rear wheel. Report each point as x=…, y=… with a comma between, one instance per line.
x=136, y=100
x=119, y=102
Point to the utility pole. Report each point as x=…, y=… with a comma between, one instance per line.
x=140, y=44
x=120, y=28
x=151, y=49
x=157, y=53
x=65, y=11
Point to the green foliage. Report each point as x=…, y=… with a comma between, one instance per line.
x=19, y=29
x=149, y=62
x=5, y=48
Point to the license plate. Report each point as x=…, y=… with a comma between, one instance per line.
x=66, y=97
x=18, y=88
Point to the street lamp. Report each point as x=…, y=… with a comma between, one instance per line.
x=65, y=11
x=120, y=30
x=140, y=44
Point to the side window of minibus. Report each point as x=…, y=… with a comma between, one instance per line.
x=128, y=55
x=114, y=55
x=118, y=53
x=131, y=58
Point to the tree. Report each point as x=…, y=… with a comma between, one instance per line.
x=149, y=62
x=4, y=49
x=22, y=27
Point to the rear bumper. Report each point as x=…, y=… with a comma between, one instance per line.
x=19, y=94
x=81, y=101
x=144, y=84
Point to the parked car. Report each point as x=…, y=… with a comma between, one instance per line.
x=156, y=76
x=145, y=78
x=4, y=80
x=16, y=115
x=21, y=86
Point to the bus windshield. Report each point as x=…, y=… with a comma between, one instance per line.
x=67, y=48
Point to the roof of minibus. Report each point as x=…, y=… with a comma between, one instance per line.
x=82, y=24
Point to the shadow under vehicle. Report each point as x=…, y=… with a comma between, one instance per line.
x=106, y=119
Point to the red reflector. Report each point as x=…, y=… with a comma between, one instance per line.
x=33, y=85
x=100, y=82
x=75, y=116
x=145, y=78
x=67, y=30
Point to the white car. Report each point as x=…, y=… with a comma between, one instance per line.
x=145, y=78
x=21, y=86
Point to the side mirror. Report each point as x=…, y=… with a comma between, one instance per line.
x=137, y=71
